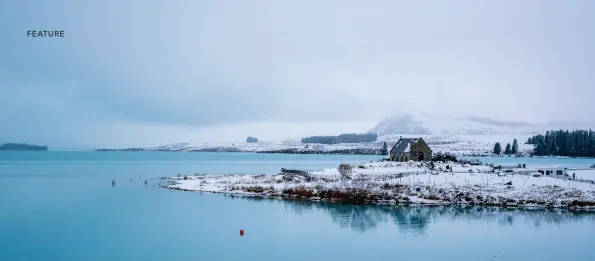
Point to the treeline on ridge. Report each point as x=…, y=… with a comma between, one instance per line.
x=343, y=138
x=577, y=143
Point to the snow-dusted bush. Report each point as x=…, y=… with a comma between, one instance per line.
x=345, y=170
x=445, y=157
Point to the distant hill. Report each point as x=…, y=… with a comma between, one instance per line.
x=475, y=125
x=404, y=124
x=343, y=138
x=22, y=146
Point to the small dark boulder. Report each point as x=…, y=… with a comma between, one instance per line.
x=508, y=183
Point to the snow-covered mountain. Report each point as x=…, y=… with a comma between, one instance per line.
x=474, y=125
x=404, y=124
x=465, y=135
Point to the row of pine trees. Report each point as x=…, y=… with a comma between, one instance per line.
x=577, y=143
x=343, y=138
x=509, y=150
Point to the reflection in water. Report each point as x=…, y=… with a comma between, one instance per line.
x=415, y=219
x=357, y=217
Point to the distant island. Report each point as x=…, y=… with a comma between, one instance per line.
x=23, y=146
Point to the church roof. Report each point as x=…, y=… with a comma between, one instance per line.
x=404, y=145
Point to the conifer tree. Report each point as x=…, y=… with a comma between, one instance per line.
x=579, y=143
x=508, y=149
x=515, y=147
x=497, y=148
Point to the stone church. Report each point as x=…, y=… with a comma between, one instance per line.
x=408, y=149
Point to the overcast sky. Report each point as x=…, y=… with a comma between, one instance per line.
x=139, y=73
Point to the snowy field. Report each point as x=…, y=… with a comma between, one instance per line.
x=399, y=183
x=587, y=174
x=473, y=144
x=455, y=144
x=390, y=167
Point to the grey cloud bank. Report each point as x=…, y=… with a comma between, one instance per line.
x=131, y=73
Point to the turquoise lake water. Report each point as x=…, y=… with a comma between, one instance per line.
x=61, y=206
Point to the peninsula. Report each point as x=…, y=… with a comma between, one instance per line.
x=397, y=183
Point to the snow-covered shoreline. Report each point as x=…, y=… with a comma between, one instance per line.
x=405, y=183
x=457, y=144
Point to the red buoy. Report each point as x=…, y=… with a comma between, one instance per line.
x=241, y=232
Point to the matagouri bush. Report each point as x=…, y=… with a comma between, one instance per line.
x=444, y=157
x=345, y=170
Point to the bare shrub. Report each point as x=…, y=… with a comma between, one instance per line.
x=290, y=177
x=345, y=170
x=360, y=177
x=581, y=203
x=255, y=189
x=387, y=186
x=433, y=197
x=299, y=191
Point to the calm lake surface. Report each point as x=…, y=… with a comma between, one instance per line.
x=61, y=206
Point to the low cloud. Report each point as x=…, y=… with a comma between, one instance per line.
x=181, y=70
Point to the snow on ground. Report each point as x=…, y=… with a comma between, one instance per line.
x=475, y=144
x=282, y=145
x=586, y=174
x=459, y=144
x=417, y=184
x=391, y=167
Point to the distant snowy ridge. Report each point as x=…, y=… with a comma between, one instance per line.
x=173, y=146
x=457, y=135
x=404, y=124
x=473, y=125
